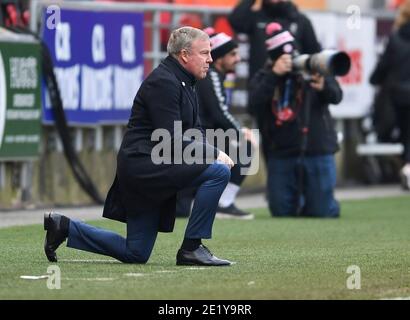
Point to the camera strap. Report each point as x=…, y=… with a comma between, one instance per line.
x=286, y=94
x=286, y=102
x=305, y=121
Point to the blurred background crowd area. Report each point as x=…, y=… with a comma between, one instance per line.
x=35, y=168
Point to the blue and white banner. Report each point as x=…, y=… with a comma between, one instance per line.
x=98, y=60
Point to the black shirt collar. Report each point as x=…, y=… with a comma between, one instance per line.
x=181, y=73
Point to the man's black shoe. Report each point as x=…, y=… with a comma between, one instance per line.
x=56, y=226
x=199, y=257
x=232, y=212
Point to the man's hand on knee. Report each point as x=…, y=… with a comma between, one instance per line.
x=224, y=158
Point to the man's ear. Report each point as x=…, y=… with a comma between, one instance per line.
x=184, y=55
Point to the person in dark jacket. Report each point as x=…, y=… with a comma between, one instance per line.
x=393, y=71
x=215, y=115
x=252, y=16
x=149, y=175
x=298, y=135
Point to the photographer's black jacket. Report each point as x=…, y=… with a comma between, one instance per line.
x=244, y=20
x=213, y=111
x=285, y=140
x=394, y=63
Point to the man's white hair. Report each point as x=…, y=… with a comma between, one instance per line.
x=182, y=38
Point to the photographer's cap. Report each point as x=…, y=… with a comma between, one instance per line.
x=279, y=41
x=221, y=43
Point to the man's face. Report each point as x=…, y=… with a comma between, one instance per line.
x=228, y=62
x=198, y=58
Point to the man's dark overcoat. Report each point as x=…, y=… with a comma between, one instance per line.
x=141, y=186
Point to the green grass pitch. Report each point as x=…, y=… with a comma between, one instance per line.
x=275, y=259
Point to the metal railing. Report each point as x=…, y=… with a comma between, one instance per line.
x=155, y=54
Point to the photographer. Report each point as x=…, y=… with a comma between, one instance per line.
x=298, y=137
